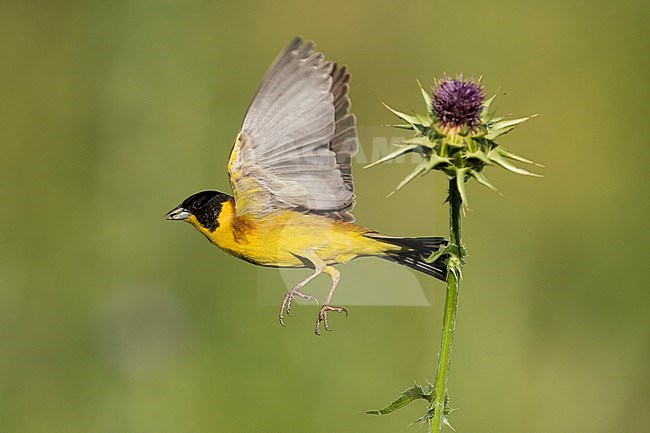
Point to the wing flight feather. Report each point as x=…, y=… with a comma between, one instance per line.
x=295, y=147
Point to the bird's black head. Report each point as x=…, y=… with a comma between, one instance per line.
x=205, y=206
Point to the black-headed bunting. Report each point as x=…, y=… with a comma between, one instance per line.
x=291, y=177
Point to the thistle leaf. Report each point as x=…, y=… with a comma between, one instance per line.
x=421, y=141
x=460, y=183
x=421, y=168
x=437, y=254
x=403, y=149
x=427, y=97
x=515, y=157
x=494, y=120
x=480, y=155
x=425, y=121
x=480, y=178
x=485, y=113
x=403, y=126
x=414, y=393
x=503, y=127
x=488, y=102
x=412, y=120
x=435, y=160
x=498, y=159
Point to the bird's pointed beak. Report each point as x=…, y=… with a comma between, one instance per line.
x=178, y=213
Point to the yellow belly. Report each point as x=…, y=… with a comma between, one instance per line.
x=282, y=237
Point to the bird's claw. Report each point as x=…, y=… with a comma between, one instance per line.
x=288, y=299
x=322, y=316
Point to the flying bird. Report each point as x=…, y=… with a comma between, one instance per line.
x=290, y=171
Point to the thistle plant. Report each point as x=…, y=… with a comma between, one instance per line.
x=457, y=137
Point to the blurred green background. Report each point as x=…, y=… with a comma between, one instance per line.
x=114, y=320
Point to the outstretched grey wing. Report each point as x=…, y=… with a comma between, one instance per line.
x=295, y=146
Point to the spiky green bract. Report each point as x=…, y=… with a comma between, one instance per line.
x=461, y=151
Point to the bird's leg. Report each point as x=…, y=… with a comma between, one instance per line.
x=322, y=315
x=319, y=267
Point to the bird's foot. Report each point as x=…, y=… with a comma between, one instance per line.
x=288, y=299
x=322, y=316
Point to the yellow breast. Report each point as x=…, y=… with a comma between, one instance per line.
x=281, y=237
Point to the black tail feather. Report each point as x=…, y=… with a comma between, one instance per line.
x=414, y=253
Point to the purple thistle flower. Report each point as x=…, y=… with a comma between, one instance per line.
x=458, y=102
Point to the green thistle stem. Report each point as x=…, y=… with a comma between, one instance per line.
x=451, y=307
